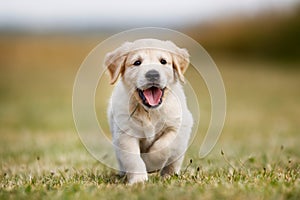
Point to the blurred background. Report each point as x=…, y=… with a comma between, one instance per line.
x=255, y=44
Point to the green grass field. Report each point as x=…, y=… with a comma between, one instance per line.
x=257, y=156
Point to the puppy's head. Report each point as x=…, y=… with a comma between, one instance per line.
x=148, y=67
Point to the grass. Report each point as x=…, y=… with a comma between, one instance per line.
x=251, y=179
x=257, y=156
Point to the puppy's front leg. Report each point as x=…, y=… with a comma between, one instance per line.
x=130, y=160
x=159, y=153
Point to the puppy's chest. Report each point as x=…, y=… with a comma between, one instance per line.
x=153, y=129
x=149, y=123
x=152, y=126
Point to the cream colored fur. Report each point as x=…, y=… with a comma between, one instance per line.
x=148, y=139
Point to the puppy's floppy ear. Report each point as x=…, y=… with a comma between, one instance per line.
x=180, y=61
x=115, y=61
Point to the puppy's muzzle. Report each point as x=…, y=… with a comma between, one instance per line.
x=152, y=92
x=152, y=76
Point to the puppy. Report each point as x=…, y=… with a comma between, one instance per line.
x=148, y=115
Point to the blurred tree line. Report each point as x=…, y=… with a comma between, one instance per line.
x=272, y=35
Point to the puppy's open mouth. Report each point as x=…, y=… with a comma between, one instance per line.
x=151, y=97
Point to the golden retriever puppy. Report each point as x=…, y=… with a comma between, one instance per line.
x=148, y=116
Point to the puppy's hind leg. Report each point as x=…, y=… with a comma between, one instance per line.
x=172, y=168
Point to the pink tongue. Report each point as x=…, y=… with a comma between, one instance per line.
x=153, y=95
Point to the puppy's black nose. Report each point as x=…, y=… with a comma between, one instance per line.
x=152, y=75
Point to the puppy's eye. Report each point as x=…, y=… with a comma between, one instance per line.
x=163, y=61
x=137, y=63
